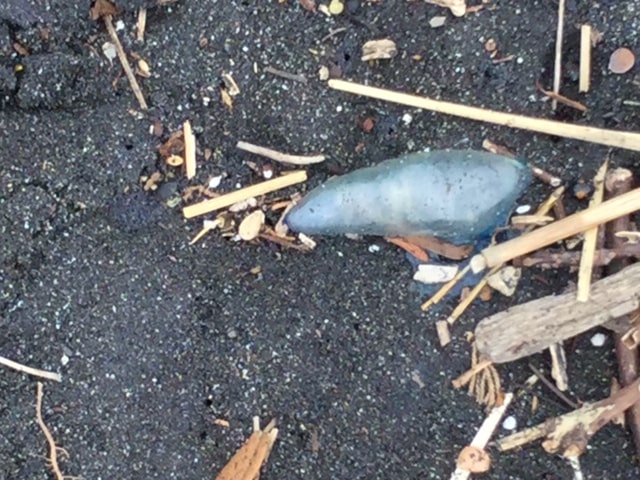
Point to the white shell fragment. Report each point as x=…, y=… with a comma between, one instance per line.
x=243, y=205
x=506, y=280
x=438, y=21
x=430, y=274
x=109, y=51
x=598, y=340
x=251, y=225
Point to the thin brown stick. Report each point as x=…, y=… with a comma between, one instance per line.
x=53, y=449
x=556, y=258
x=279, y=156
x=108, y=21
x=289, y=76
x=546, y=177
x=585, y=58
x=31, y=371
x=559, y=230
x=557, y=66
x=614, y=138
x=556, y=97
x=553, y=388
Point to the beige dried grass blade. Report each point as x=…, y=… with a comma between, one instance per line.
x=590, y=238
x=242, y=194
x=189, y=149
x=585, y=58
x=245, y=464
x=614, y=138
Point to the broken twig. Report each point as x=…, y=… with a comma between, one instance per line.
x=613, y=138
x=244, y=193
x=31, y=371
x=279, y=156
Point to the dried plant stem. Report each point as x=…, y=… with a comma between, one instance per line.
x=614, y=138
x=557, y=67
x=53, y=449
x=242, y=194
x=108, y=21
x=279, y=156
x=31, y=371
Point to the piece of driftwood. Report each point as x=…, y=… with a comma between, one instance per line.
x=533, y=326
x=617, y=182
x=570, y=433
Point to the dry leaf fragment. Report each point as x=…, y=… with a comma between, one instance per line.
x=226, y=98
x=101, y=8
x=230, y=84
x=251, y=225
x=309, y=5
x=473, y=459
x=379, y=49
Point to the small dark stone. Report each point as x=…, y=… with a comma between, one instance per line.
x=166, y=190
x=582, y=190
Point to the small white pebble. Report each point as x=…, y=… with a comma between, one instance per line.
x=407, y=118
x=373, y=248
x=438, y=21
x=519, y=60
x=64, y=360
x=522, y=209
x=339, y=108
x=119, y=25
x=215, y=182
x=598, y=339
x=510, y=423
